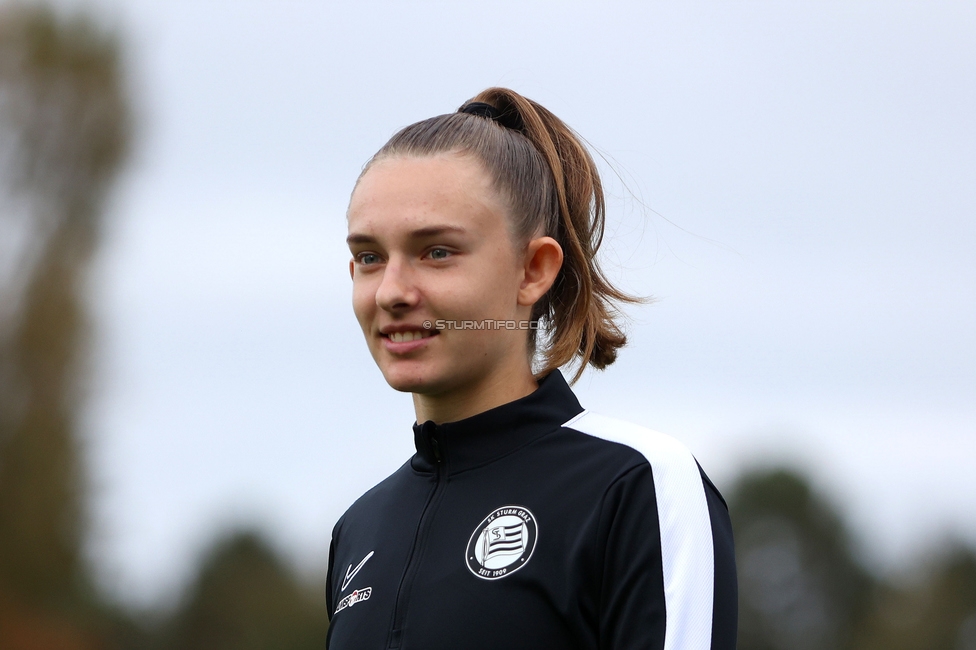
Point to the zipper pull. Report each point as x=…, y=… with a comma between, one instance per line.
x=429, y=436
x=435, y=446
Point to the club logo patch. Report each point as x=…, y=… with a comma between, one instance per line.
x=502, y=543
x=357, y=596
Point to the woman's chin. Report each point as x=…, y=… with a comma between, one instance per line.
x=407, y=381
x=424, y=381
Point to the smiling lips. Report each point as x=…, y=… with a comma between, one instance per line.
x=410, y=335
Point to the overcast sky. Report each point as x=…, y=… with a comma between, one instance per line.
x=800, y=197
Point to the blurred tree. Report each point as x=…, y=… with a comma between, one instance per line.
x=799, y=586
x=63, y=133
x=937, y=612
x=245, y=598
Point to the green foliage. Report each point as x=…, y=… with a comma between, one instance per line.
x=63, y=134
x=66, y=111
x=245, y=598
x=800, y=588
x=937, y=612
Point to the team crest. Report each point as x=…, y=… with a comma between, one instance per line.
x=502, y=543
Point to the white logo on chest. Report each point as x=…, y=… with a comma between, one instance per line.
x=357, y=596
x=502, y=543
x=351, y=573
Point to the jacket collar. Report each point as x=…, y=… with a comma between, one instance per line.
x=482, y=438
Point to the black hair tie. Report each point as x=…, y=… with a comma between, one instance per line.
x=510, y=118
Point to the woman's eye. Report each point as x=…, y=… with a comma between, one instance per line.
x=368, y=258
x=439, y=253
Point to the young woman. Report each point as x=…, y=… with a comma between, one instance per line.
x=523, y=520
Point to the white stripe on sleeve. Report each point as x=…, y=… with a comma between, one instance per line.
x=686, y=532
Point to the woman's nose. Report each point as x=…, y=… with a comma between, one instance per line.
x=397, y=290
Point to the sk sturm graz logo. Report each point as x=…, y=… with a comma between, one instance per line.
x=357, y=596
x=502, y=543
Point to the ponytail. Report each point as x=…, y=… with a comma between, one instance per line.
x=554, y=189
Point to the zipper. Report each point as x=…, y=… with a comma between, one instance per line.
x=419, y=542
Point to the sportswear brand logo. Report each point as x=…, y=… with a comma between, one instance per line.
x=502, y=543
x=351, y=573
x=357, y=596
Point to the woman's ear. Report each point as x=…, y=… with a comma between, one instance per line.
x=543, y=259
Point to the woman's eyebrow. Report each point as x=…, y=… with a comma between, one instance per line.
x=420, y=233
x=434, y=231
x=359, y=238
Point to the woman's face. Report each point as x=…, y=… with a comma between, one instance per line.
x=431, y=245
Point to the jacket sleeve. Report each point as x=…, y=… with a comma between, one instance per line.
x=330, y=586
x=329, y=604
x=668, y=580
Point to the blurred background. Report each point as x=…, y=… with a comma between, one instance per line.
x=186, y=406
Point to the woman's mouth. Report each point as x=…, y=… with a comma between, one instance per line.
x=410, y=335
x=406, y=341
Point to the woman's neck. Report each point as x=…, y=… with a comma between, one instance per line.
x=477, y=397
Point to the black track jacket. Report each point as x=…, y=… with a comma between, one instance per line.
x=536, y=525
